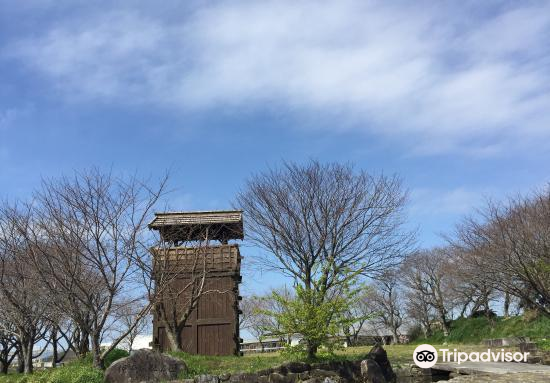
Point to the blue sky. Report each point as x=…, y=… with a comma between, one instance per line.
x=453, y=96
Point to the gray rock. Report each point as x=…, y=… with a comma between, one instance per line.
x=371, y=372
x=244, y=377
x=297, y=367
x=277, y=378
x=313, y=380
x=225, y=377
x=207, y=379
x=322, y=373
x=145, y=366
x=381, y=358
x=265, y=372
x=292, y=377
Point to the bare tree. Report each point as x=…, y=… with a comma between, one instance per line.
x=25, y=301
x=509, y=245
x=127, y=317
x=9, y=343
x=388, y=302
x=255, y=319
x=420, y=311
x=359, y=313
x=427, y=274
x=325, y=224
x=86, y=237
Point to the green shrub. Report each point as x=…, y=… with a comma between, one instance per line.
x=115, y=355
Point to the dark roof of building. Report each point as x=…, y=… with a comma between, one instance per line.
x=184, y=226
x=196, y=218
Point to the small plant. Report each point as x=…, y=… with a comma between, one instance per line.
x=316, y=316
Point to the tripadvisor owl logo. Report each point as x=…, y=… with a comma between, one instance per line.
x=425, y=356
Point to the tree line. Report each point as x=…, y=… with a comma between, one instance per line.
x=338, y=234
x=78, y=264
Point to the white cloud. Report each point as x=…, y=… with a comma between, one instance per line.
x=435, y=202
x=440, y=79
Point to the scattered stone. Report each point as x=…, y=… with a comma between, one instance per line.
x=266, y=372
x=207, y=379
x=322, y=373
x=530, y=347
x=225, y=377
x=145, y=366
x=277, y=378
x=244, y=377
x=292, y=377
x=534, y=359
x=381, y=358
x=372, y=372
x=297, y=367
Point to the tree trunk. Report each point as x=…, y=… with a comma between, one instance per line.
x=395, y=336
x=96, y=350
x=173, y=339
x=445, y=326
x=311, y=350
x=83, y=342
x=54, y=346
x=429, y=331
x=506, y=305
x=3, y=367
x=27, y=349
x=20, y=362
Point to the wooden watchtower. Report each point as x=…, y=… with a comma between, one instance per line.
x=200, y=241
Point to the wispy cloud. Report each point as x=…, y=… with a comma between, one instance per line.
x=439, y=78
x=433, y=202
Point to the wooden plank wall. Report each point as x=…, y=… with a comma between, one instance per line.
x=213, y=327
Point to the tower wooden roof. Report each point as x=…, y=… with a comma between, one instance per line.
x=220, y=225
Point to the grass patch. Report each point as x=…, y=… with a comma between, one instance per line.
x=399, y=356
x=77, y=371
x=474, y=330
x=216, y=365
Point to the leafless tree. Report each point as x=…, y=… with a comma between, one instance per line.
x=359, y=313
x=25, y=300
x=427, y=273
x=9, y=343
x=420, y=311
x=468, y=287
x=388, y=302
x=255, y=319
x=509, y=245
x=326, y=224
x=86, y=234
x=126, y=317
